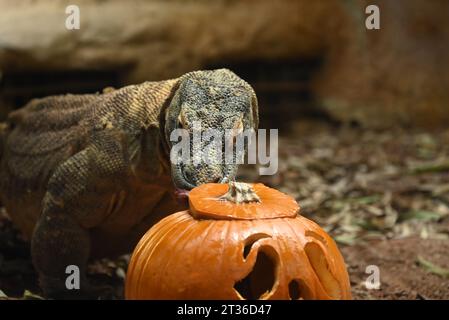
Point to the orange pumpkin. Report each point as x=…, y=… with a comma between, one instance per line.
x=248, y=244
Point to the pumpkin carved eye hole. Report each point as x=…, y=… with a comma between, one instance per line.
x=259, y=283
x=315, y=235
x=262, y=278
x=320, y=265
x=251, y=240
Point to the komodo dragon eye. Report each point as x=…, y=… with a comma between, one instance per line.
x=237, y=130
x=181, y=120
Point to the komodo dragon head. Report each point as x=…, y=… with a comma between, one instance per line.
x=204, y=100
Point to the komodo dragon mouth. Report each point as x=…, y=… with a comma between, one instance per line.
x=183, y=187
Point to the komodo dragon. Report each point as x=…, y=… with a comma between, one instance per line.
x=85, y=176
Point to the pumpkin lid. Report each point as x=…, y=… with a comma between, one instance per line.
x=240, y=201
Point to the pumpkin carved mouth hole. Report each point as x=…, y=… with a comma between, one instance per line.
x=261, y=280
x=251, y=240
x=293, y=290
x=298, y=290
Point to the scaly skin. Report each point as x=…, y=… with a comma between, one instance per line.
x=86, y=175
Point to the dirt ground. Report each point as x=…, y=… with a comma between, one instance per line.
x=402, y=272
x=382, y=195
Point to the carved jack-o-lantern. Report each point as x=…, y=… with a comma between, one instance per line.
x=248, y=243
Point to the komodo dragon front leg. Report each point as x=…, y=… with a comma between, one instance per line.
x=75, y=195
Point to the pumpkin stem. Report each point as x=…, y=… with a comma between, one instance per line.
x=240, y=192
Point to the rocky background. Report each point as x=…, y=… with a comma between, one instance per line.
x=398, y=75
x=362, y=114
